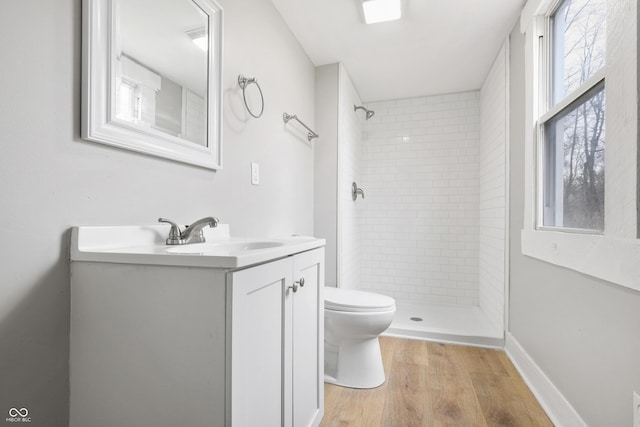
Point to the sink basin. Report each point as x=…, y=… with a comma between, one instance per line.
x=146, y=245
x=215, y=248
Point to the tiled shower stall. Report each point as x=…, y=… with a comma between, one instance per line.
x=430, y=231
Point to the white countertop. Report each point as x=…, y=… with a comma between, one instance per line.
x=146, y=245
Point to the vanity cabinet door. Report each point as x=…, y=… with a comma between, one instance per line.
x=307, y=320
x=259, y=337
x=276, y=348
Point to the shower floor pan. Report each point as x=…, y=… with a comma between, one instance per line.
x=466, y=325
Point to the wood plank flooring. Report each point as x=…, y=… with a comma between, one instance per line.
x=432, y=384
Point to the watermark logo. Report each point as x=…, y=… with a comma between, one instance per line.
x=18, y=416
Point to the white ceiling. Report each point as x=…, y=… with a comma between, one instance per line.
x=154, y=34
x=439, y=46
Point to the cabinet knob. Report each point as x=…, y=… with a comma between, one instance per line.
x=295, y=285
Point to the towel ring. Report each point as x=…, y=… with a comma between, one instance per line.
x=243, y=82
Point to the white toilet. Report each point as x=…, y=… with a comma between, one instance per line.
x=353, y=320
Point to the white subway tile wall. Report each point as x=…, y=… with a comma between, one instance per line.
x=419, y=221
x=493, y=100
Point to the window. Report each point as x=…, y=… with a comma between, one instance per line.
x=128, y=101
x=566, y=48
x=572, y=126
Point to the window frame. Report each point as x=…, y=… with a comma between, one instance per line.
x=614, y=255
x=548, y=111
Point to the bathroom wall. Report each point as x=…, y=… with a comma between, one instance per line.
x=581, y=332
x=350, y=167
x=492, y=213
x=337, y=164
x=50, y=179
x=420, y=216
x=325, y=206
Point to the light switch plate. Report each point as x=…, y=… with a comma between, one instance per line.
x=636, y=409
x=255, y=173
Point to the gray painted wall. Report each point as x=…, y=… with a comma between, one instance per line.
x=582, y=332
x=326, y=167
x=51, y=180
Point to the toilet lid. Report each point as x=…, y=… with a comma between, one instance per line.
x=351, y=300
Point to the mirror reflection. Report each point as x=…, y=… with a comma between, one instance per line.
x=160, y=67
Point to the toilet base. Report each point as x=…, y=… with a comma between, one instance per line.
x=354, y=364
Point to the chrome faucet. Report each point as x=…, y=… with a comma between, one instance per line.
x=192, y=233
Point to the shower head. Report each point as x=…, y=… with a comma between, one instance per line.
x=368, y=113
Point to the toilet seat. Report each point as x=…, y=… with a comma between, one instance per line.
x=349, y=300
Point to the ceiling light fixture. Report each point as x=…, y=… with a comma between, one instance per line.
x=381, y=10
x=199, y=37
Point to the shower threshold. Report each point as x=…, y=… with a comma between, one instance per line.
x=466, y=325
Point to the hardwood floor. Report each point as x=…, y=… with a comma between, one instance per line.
x=432, y=384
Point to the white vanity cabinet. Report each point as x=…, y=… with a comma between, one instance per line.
x=276, y=354
x=156, y=344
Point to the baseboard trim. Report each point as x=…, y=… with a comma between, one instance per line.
x=557, y=407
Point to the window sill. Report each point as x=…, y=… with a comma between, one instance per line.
x=607, y=258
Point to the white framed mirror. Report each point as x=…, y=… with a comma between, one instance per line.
x=152, y=78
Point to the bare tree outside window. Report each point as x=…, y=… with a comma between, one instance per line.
x=573, y=163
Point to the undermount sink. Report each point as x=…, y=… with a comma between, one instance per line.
x=214, y=248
